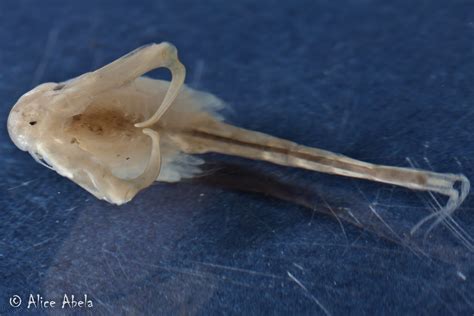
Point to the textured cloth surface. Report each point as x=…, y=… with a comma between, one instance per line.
x=389, y=82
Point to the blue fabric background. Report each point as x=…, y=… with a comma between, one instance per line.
x=388, y=82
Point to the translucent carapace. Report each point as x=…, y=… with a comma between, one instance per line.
x=114, y=132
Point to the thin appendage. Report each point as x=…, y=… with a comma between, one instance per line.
x=117, y=190
x=178, y=74
x=226, y=139
x=133, y=65
x=153, y=167
x=100, y=180
x=78, y=92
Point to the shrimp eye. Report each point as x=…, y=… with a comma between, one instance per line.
x=33, y=123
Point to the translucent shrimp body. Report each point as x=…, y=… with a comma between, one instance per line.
x=114, y=132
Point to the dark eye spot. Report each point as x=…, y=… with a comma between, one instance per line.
x=33, y=123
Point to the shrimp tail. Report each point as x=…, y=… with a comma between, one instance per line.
x=226, y=139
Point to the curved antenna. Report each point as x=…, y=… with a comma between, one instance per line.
x=124, y=71
x=119, y=191
x=139, y=62
x=152, y=170
x=178, y=73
